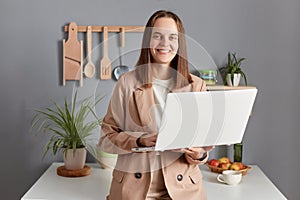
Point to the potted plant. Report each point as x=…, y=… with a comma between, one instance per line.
x=232, y=72
x=69, y=129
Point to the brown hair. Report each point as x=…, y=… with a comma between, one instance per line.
x=179, y=63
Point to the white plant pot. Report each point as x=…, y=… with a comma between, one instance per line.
x=75, y=161
x=236, y=79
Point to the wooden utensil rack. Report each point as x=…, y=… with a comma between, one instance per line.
x=73, y=50
x=110, y=28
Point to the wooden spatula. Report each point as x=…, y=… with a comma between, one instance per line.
x=105, y=64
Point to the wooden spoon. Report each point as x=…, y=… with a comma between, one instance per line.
x=89, y=69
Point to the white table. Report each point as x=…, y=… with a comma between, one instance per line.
x=50, y=186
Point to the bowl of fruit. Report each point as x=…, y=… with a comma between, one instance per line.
x=224, y=163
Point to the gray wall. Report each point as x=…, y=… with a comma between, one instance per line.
x=265, y=32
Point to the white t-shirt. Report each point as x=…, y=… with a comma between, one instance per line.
x=161, y=88
x=157, y=188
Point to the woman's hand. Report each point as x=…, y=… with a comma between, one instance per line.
x=197, y=153
x=147, y=140
x=193, y=154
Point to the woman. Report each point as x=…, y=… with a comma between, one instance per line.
x=134, y=115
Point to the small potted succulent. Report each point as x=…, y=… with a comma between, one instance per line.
x=68, y=129
x=233, y=72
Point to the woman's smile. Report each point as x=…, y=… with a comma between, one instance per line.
x=163, y=51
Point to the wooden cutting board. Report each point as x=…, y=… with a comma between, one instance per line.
x=72, y=56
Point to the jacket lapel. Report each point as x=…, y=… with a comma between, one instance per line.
x=144, y=99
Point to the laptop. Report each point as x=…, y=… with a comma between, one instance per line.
x=195, y=119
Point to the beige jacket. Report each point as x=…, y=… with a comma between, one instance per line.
x=129, y=116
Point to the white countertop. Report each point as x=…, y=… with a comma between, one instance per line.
x=50, y=186
x=255, y=185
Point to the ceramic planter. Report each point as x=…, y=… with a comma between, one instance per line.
x=75, y=161
x=236, y=79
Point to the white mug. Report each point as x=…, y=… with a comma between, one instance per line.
x=230, y=177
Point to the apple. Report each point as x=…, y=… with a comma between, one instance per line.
x=242, y=166
x=235, y=166
x=224, y=160
x=213, y=162
x=225, y=166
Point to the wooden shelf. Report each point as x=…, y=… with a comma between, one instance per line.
x=225, y=87
x=109, y=28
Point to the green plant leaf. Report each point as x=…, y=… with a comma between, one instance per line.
x=244, y=76
x=67, y=126
x=74, y=104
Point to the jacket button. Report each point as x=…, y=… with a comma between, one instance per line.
x=179, y=177
x=138, y=175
